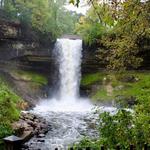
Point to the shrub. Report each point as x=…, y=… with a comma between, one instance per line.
x=9, y=112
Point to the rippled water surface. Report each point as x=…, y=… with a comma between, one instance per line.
x=66, y=128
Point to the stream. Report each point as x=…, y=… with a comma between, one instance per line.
x=67, y=128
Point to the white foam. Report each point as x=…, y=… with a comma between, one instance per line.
x=67, y=105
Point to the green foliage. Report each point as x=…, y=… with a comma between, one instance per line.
x=75, y=2
x=5, y=130
x=101, y=95
x=120, y=125
x=45, y=16
x=9, y=7
x=86, y=142
x=122, y=54
x=137, y=88
x=118, y=32
x=89, y=30
x=2, y=146
x=92, y=78
x=123, y=128
x=132, y=128
x=93, y=26
x=123, y=44
x=9, y=111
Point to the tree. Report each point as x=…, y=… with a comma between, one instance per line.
x=118, y=31
x=92, y=26
x=123, y=43
x=75, y=2
x=45, y=16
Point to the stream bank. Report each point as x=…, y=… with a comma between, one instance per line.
x=116, y=89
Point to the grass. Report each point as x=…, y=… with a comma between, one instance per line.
x=102, y=96
x=127, y=89
x=139, y=87
x=31, y=76
x=9, y=110
x=92, y=78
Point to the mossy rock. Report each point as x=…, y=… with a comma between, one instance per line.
x=29, y=76
x=125, y=85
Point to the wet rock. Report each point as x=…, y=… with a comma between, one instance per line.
x=26, y=136
x=25, y=147
x=123, y=101
x=41, y=135
x=92, y=125
x=9, y=30
x=40, y=140
x=30, y=123
x=120, y=87
x=129, y=78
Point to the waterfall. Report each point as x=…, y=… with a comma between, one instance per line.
x=69, y=58
x=67, y=99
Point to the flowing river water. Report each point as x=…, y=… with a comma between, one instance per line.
x=70, y=116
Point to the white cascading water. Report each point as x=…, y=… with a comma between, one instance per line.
x=69, y=57
x=69, y=54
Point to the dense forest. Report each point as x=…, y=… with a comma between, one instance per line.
x=117, y=35
x=45, y=16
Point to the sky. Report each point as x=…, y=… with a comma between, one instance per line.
x=83, y=7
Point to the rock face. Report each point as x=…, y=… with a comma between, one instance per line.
x=18, y=43
x=90, y=61
x=22, y=48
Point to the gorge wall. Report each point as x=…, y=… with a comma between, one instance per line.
x=22, y=51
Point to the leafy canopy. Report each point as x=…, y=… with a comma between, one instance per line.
x=46, y=16
x=119, y=31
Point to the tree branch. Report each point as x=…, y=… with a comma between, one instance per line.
x=95, y=9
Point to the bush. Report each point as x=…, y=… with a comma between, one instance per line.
x=9, y=112
x=123, y=128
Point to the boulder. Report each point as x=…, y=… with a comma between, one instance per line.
x=31, y=125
